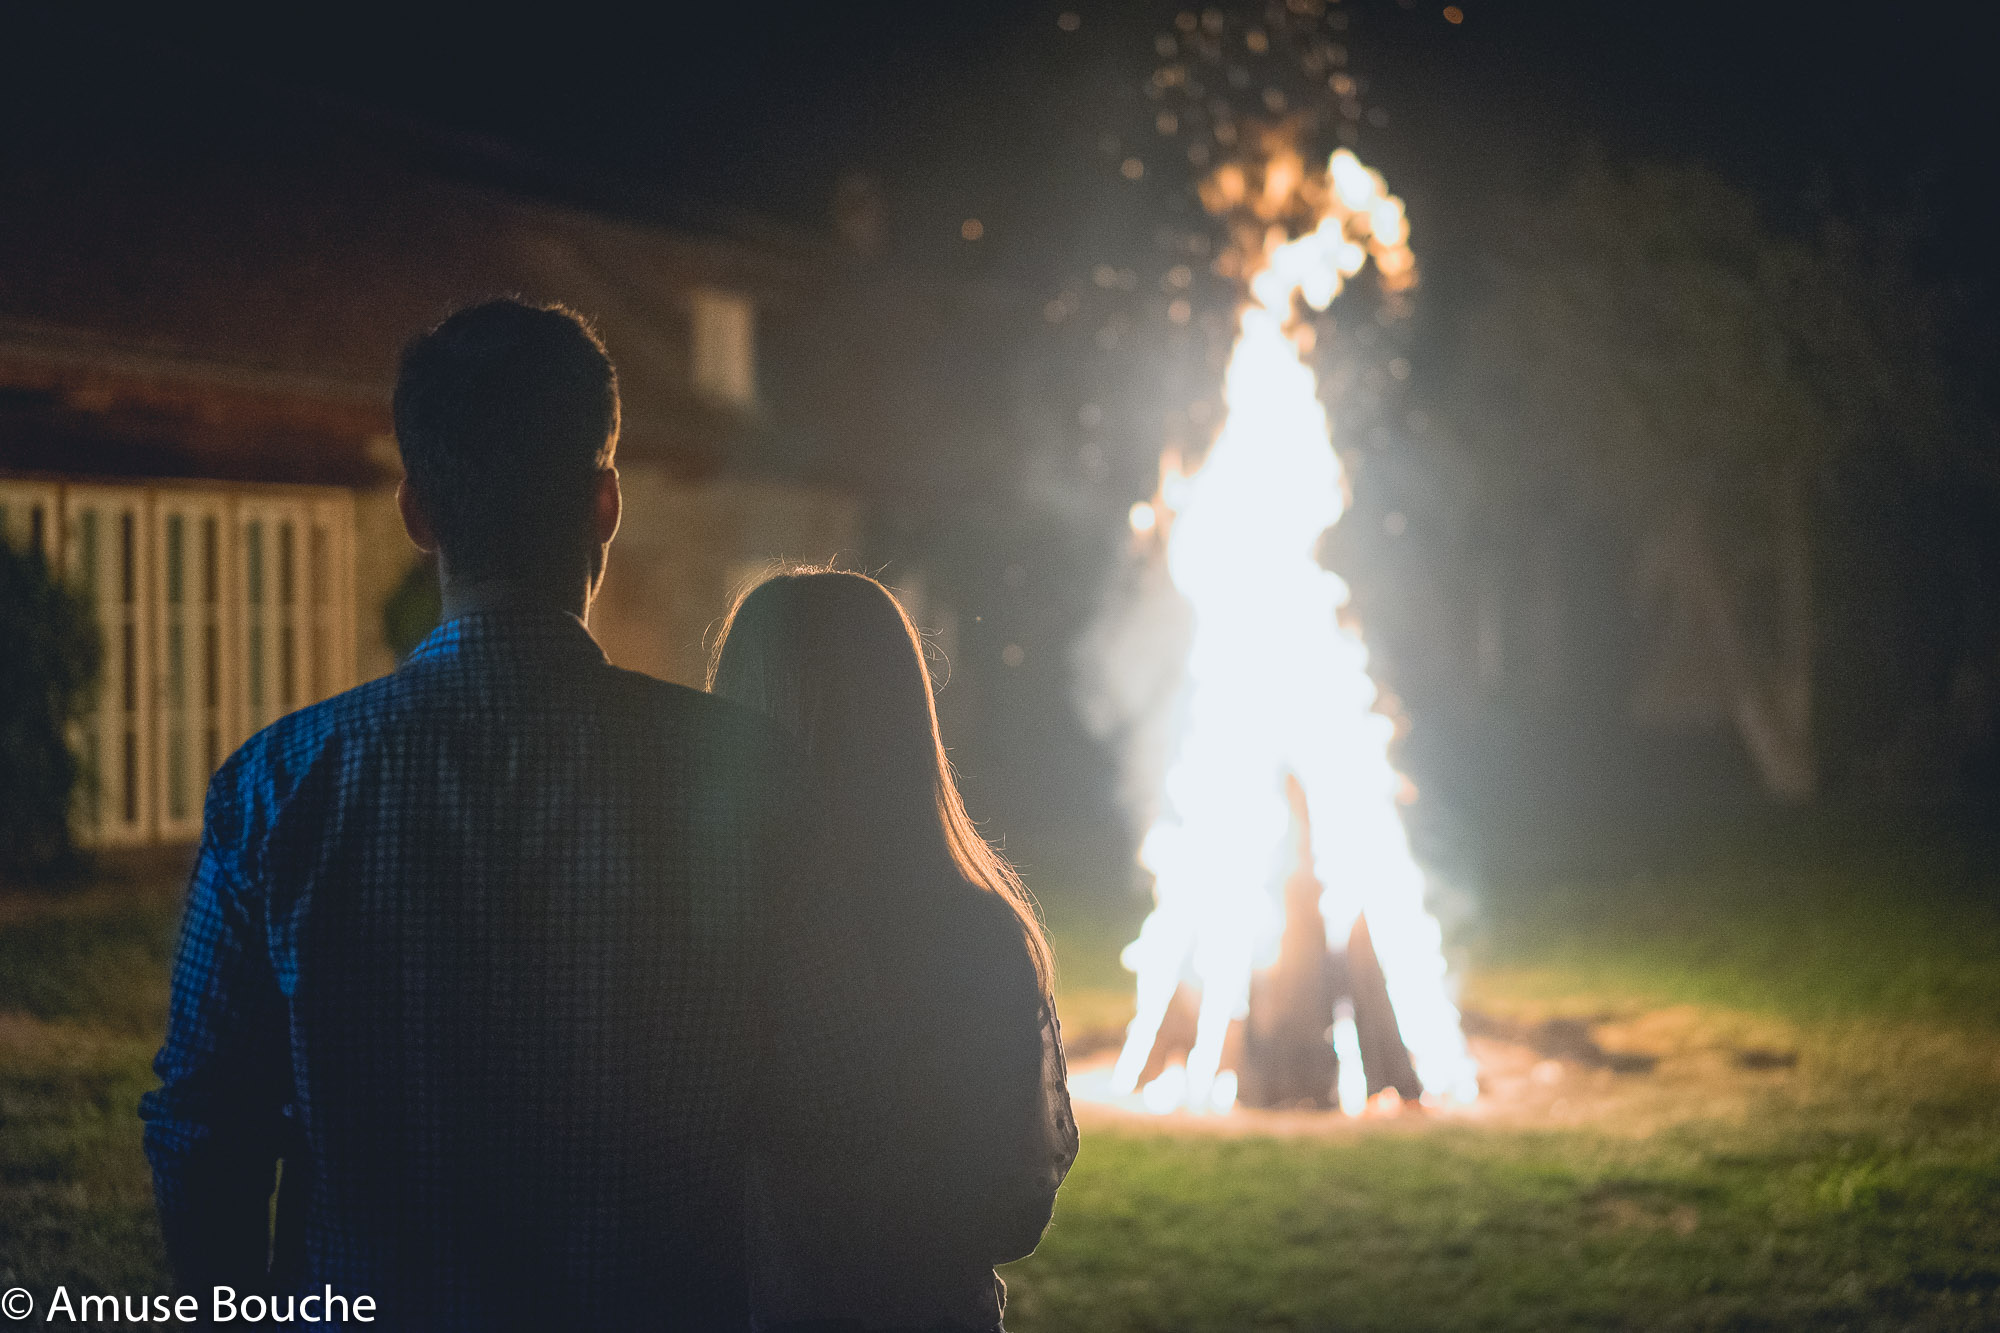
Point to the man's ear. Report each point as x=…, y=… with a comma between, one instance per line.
x=606, y=507
x=415, y=521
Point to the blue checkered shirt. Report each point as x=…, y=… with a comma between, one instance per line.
x=477, y=950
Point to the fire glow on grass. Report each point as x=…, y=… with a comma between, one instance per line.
x=1278, y=689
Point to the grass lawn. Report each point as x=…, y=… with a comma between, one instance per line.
x=1816, y=1144
x=83, y=1000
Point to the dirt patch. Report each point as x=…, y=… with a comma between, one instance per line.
x=1627, y=1074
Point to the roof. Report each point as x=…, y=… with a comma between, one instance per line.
x=242, y=315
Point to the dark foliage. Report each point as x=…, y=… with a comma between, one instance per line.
x=413, y=609
x=50, y=657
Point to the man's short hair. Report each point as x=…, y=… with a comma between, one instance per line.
x=505, y=413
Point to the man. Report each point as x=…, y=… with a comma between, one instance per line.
x=473, y=948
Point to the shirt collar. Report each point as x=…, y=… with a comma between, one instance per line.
x=517, y=632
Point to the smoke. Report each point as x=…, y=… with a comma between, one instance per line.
x=1131, y=676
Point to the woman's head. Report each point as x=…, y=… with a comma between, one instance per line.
x=833, y=658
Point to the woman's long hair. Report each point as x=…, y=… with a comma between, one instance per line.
x=832, y=656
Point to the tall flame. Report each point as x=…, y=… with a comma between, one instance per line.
x=1278, y=688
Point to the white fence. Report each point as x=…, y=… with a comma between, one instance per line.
x=222, y=607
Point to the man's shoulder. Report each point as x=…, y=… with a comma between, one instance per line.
x=709, y=746
x=732, y=745
x=256, y=778
x=698, y=712
x=678, y=700
x=296, y=736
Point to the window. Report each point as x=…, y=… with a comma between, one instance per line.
x=725, y=347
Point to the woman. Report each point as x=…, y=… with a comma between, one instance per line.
x=886, y=1193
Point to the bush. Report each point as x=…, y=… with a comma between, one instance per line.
x=50, y=656
x=413, y=609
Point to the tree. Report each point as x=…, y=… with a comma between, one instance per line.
x=1647, y=343
x=50, y=656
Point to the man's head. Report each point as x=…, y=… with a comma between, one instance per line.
x=507, y=416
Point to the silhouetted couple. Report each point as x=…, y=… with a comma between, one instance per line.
x=571, y=999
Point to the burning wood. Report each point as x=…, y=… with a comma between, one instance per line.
x=1283, y=1051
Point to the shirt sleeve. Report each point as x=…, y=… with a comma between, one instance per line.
x=1024, y=1195
x=215, y=1127
x=920, y=1072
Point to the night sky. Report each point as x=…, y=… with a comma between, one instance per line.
x=705, y=109
x=704, y=116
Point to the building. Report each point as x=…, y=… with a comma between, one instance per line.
x=195, y=367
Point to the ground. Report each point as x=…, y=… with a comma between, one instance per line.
x=1758, y=1087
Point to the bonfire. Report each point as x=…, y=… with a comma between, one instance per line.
x=1280, y=806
